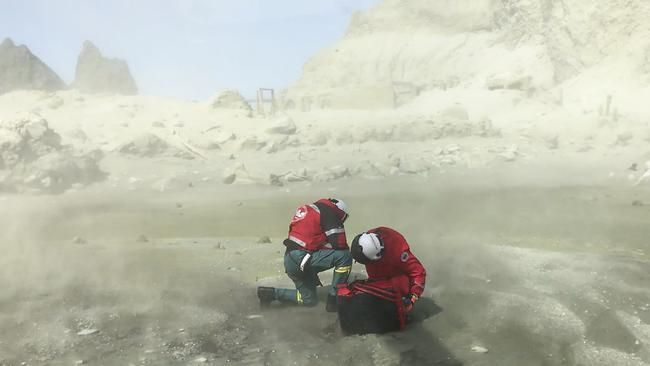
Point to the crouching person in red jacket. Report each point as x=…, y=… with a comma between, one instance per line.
x=316, y=243
x=396, y=280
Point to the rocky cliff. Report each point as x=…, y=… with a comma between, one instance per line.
x=442, y=44
x=98, y=74
x=21, y=70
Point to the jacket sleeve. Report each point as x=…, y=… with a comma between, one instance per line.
x=416, y=273
x=333, y=228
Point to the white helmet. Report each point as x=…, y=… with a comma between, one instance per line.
x=342, y=206
x=367, y=247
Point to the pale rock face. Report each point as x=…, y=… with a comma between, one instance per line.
x=97, y=74
x=21, y=70
x=492, y=44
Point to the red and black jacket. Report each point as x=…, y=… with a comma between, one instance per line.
x=317, y=226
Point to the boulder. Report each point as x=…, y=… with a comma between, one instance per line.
x=508, y=80
x=148, y=145
x=32, y=158
x=299, y=176
x=296, y=176
x=237, y=174
x=24, y=140
x=279, y=143
x=452, y=149
x=275, y=180
x=292, y=176
x=332, y=173
x=373, y=170
x=455, y=113
x=97, y=74
x=145, y=145
x=510, y=154
x=56, y=172
x=284, y=126
x=223, y=137
x=21, y=70
x=274, y=147
x=205, y=143
x=252, y=143
x=645, y=177
x=230, y=99
x=55, y=102
x=318, y=138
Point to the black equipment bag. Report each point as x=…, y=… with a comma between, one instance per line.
x=365, y=307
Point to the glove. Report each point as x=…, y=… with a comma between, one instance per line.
x=409, y=300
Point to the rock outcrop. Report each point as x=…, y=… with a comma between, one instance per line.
x=237, y=174
x=230, y=99
x=400, y=47
x=283, y=126
x=32, y=159
x=98, y=74
x=148, y=145
x=21, y=70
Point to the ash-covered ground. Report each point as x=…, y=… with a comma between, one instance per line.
x=508, y=140
x=533, y=274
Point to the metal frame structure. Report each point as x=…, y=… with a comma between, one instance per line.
x=266, y=97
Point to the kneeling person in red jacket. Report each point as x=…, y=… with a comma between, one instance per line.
x=316, y=243
x=387, y=255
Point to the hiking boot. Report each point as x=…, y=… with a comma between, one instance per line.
x=266, y=295
x=332, y=305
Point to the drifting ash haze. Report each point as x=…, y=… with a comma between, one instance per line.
x=508, y=140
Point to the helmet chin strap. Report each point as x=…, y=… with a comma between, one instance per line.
x=380, y=255
x=379, y=246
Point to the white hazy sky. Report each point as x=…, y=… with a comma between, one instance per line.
x=183, y=48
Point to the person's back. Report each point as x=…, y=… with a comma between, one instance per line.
x=397, y=260
x=318, y=226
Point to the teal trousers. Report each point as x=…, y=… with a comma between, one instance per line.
x=306, y=282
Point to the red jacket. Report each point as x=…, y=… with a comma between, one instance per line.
x=397, y=261
x=318, y=226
